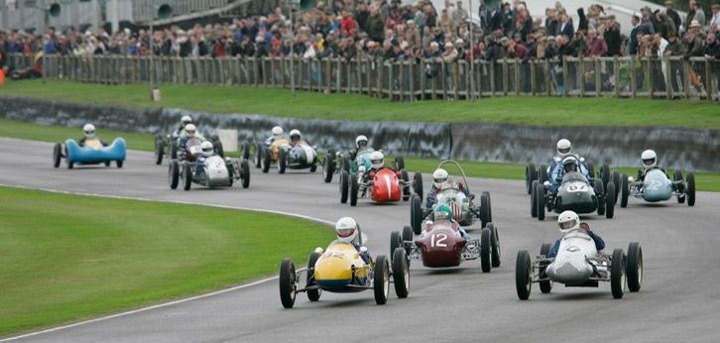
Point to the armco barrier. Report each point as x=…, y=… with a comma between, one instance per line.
x=690, y=149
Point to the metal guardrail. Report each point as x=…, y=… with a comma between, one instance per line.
x=624, y=77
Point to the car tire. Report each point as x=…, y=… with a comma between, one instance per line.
x=287, y=283
x=494, y=245
x=282, y=161
x=381, y=280
x=523, y=278
x=267, y=161
x=610, y=200
x=530, y=176
x=245, y=151
x=159, y=152
x=344, y=186
x=605, y=174
x=416, y=214
x=485, y=250
x=533, y=200
x=599, y=189
x=634, y=267
x=591, y=169
x=617, y=273
x=406, y=188
x=119, y=163
x=407, y=233
x=616, y=180
x=218, y=147
x=540, y=201
x=677, y=176
x=545, y=286
x=173, y=174
x=258, y=156
x=187, y=176
x=399, y=163
x=57, y=155
x=345, y=163
x=690, y=188
x=396, y=241
x=624, y=190
x=542, y=174
x=312, y=294
x=418, y=184
x=354, y=186
x=329, y=166
x=245, y=173
x=400, y=273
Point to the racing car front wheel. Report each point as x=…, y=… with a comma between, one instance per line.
x=690, y=188
x=381, y=280
x=245, y=173
x=416, y=214
x=530, y=176
x=485, y=251
x=344, y=186
x=494, y=245
x=173, y=174
x=523, y=279
x=187, y=177
x=418, y=184
x=634, y=267
x=57, y=155
x=119, y=163
x=313, y=294
x=624, y=190
x=545, y=286
x=617, y=273
x=610, y=200
x=400, y=274
x=354, y=187
x=287, y=283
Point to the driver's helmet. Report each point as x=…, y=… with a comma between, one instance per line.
x=361, y=141
x=207, y=148
x=570, y=164
x=377, y=159
x=568, y=221
x=440, y=178
x=186, y=120
x=564, y=148
x=190, y=130
x=277, y=132
x=649, y=159
x=443, y=212
x=295, y=135
x=89, y=130
x=346, y=229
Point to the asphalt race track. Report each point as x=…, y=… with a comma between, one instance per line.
x=679, y=300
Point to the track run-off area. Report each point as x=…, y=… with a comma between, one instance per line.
x=678, y=302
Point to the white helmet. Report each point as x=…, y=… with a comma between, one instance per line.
x=89, y=130
x=649, y=159
x=570, y=164
x=361, y=139
x=377, y=159
x=564, y=148
x=190, y=130
x=568, y=221
x=277, y=131
x=186, y=120
x=295, y=133
x=207, y=148
x=440, y=176
x=346, y=229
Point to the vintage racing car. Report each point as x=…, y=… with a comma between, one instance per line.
x=465, y=210
x=167, y=146
x=575, y=193
x=340, y=269
x=337, y=162
x=93, y=152
x=387, y=185
x=578, y=264
x=658, y=187
x=441, y=245
x=215, y=171
x=284, y=156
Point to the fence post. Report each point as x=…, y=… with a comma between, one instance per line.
x=633, y=83
x=597, y=66
x=533, y=77
x=708, y=80
x=669, y=77
x=492, y=78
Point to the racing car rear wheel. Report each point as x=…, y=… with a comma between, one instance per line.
x=57, y=154
x=523, y=279
x=107, y=163
x=624, y=190
x=381, y=280
x=344, y=186
x=218, y=147
x=245, y=151
x=600, y=195
x=401, y=276
x=690, y=188
x=605, y=174
x=395, y=242
x=407, y=233
x=634, y=268
x=245, y=173
x=616, y=181
x=485, y=250
x=591, y=169
x=313, y=294
x=485, y=208
x=406, y=187
x=416, y=214
x=282, y=160
x=617, y=273
x=345, y=163
x=545, y=286
x=159, y=152
x=258, y=156
x=354, y=186
x=70, y=164
x=543, y=174
x=399, y=163
x=266, y=161
x=494, y=245
x=418, y=184
x=610, y=200
x=119, y=163
x=329, y=166
x=173, y=174
x=187, y=176
x=287, y=283
x=530, y=176
x=540, y=201
x=533, y=200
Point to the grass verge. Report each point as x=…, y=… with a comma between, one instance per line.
x=8, y=128
x=541, y=111
x=67, y=258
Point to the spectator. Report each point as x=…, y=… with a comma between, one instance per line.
x=612, y=37
x=459, y=15
x=596, y=45
x=695, y=13
x=565, y=27
x=673, y=15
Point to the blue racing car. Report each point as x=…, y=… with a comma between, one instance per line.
x=92, y=152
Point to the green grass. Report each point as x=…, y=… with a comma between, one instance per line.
x=9, y=128
x=67, y=258
x=541, y=111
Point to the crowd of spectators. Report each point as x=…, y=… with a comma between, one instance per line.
x=390, y=31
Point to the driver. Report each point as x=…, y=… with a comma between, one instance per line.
x=444, y=212
x=377, y=161
x=89, y=131
x=569, y=221
x=189, y=132
x=207, y=151
x=184, y=121
x=348, y=231
x=295, y=137
x=440, y=182
x=555, y=169
x=361, y=143
x=277, y=133
x=649, y=162
x=569, y=165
